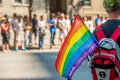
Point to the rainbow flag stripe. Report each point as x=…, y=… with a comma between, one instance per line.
x=78, y=44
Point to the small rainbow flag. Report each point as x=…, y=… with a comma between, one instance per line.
x=78, y=44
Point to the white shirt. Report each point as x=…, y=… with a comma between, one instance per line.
x=68, y=24
x=63, y=23
x=42, y=25
x=14, y=23
x=21, y=26
x=91, y=25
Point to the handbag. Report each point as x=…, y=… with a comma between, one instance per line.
x=43, y=33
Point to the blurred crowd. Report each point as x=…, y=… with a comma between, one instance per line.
x=24, y=29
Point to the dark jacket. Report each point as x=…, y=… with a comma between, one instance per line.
x=109, y=27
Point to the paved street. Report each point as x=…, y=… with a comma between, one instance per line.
x=35, y=65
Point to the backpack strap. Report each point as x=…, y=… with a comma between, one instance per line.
x=99, y=32
x=116, y=33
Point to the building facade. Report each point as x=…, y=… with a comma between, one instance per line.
x=21, y=7
x=87, y=8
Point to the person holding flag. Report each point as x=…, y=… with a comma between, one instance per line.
x=77, y=46
x=108, y=33
x=112, y=7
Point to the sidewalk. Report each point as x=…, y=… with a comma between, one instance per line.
x=35, y=48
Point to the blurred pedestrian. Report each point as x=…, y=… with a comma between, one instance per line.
x=41, y=31
x=14, y=23
x=34, y=29
x=21, y=33
x=68, y=22
x=8, y=24
x=27, y=33
x=4, y=29
x=103, y=20
x=90, y=22
x=6, y=17
x=98, y=20
x=62, y=28
x=72, y=20
x=27, y=30
x=52, y=23
x=85, y=20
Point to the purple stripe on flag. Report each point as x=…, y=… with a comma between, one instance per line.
x=82, y=58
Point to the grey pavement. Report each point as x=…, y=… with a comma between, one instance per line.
x=35, y=65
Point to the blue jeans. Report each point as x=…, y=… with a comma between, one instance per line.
x=27, y=36
x=41, y=40
x=52, y=37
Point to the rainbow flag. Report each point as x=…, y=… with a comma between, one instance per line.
x=78, y=44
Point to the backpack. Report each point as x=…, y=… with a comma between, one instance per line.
x=106, y=57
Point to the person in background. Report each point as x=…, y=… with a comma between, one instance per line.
x=14, y=23
x=62, y=28
x=27, y=29
x=68, y=22
x=98, y=20
x=4, y=30
x=25, y=20
x=52, y=23
x=90, y=24
x=8, y=24
x=6, y=17
x=58, y=13
x=103, y=19
x=41, y=27
x=85, y=20
x=21, y=33
x=72, y=20
x=34, y=29
x=25, y=23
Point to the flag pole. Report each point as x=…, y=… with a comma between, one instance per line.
x=75, y=9
x=85, y=27
x=79, y=15
x=77, y=12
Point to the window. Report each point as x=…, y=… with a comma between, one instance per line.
x=26, y=1
x=18, y=1
x=0, y=1
x=87, y=2
x=21, y=2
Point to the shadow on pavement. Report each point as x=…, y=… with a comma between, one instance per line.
x=36, y=66
x=48, y=61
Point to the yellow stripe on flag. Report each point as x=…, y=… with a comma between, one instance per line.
x=72, y=41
